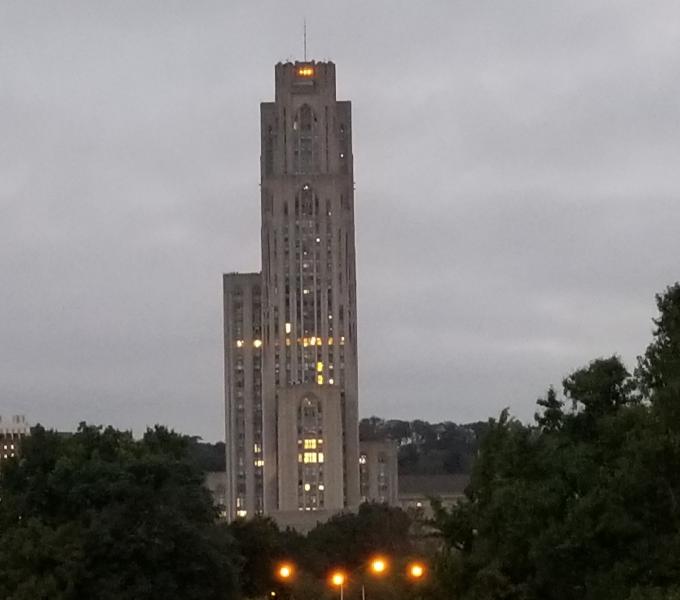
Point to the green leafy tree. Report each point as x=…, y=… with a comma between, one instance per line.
x=350, y=539
x=583, y=505
x=262, y=547
x=659, y=368
x=101, y=516
x=551, y=416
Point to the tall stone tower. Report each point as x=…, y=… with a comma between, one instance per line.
x=290, y=332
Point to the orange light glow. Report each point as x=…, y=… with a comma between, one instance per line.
x=338, y=578
x=378, y=566
x=416, y=570
x=306, y=71
x=285, y=571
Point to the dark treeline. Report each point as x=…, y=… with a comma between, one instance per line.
x=585, y=503
x=427, y=448
x=100, y=515
x=208, y=457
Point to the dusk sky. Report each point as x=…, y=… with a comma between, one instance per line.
x=517, y=171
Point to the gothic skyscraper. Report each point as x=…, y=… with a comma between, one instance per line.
x=290, y=331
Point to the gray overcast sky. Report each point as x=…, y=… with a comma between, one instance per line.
x=517, y=203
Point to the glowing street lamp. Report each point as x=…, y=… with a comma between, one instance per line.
x=416, y=571
x=338, y=579
x=285, y=571
x=379, y=566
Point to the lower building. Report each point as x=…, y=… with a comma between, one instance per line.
x=416, y=492
x=379, y=471
x=12, y=430
x=216, y=482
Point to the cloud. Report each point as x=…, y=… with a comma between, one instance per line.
x=517, y=196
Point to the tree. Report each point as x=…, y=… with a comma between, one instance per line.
x=551, y=417
x=262, y=546
x=350, y=539
x=583, y=505
x=99, y=515
x=659, y=368
x=600, y=388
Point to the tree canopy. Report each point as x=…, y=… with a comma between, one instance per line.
x=100, y=515
x=427, y=448
x=584, y=504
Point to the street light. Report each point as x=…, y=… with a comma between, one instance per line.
x=379, y=566
x=338, y=579
x=416, y=571
x=285, y=571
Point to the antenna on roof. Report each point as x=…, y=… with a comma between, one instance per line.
x=305, y=38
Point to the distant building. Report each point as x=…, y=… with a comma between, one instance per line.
x=12, y=431
x=290, y=338
x=378, y=471
x=216, y=482
x=417, y=491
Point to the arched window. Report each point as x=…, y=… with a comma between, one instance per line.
x=310, y=454
x=304, y=140
x=307, y=202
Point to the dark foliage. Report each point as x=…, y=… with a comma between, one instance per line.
x=99, y=515
x=428, y=448
x=584, y=504
x=208, y=457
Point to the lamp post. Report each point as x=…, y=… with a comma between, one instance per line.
x=416, y=572
x=338, y=579
x=377, y=567
x=285, y=573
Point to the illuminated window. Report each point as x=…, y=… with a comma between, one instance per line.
x=242, y=513
x=319, y=379
x=310, y=444
x=321, y=487
x=320, y=457
x=288, y=327
x=259, y=463
x=310, y=458
x=362, y=459
x=239, y=343
x=331, y=381
x=319, y=367
x=307, y=487
x=306, y=71
x=257, y=343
